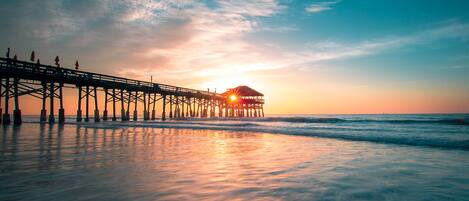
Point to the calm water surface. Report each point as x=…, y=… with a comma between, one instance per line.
x=89, y=162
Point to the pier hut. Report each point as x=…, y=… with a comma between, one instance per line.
x=243, y=101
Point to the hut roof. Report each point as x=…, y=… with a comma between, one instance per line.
x=242, y=91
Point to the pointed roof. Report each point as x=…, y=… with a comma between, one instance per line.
x=242, y=91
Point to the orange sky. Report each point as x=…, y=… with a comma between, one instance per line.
x=307, y=58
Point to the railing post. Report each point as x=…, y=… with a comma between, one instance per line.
x=17, y=111
x=96, y=108
x=51, y=96
x=79, y=104
x=6, y=115
x=163, y=113
x=61, y=104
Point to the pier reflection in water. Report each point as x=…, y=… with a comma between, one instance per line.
x=55, y=162
x=43, y=162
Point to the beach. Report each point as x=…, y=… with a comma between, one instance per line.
x=193, y=160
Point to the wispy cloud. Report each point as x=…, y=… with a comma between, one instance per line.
x=321, y=6
x=333, y=50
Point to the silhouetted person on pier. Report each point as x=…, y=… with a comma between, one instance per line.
x=57, y=61
x=15, y=58
x=77, y=65
x=8, y=53
x=38, y=62
x=33, y=56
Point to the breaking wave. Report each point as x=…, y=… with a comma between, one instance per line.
x=433, y=131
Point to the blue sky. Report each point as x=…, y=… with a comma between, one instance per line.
x=306, y=56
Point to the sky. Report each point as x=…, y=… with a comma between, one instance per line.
x=307, y=57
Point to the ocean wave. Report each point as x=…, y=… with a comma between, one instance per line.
x=439, y=141
x=412, y=121
x=464, y=122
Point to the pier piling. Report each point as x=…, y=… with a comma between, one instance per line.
x=51, y=106
x=163, y=113
x=122, y=106
x=135, y=106
x=87, y=103
x=17, y=112
x=96, y=108
x=6, y=116
x=105, y=104
x=114, y=105
x=79, y=103
x=61, y=105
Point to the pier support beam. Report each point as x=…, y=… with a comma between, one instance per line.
x=170, y=106
x=105, y=105
x=198, y=108
x=51, y=96
x=122, y=106
x=61, y=105
x=189, y=107
x=96, y=108
x=1, y=112
x=79, y=104
x=163, y=113
x=153, y=111
x=193, y=106
x=145, y=112
x=6, y=115
x=226, y=111
x=127, y=113
x=87, y=103
x=135, y=106
x=17, y=112
x=114, y=105
x=176, y=110
x=182, y=106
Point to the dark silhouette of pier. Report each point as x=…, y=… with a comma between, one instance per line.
x=46, y=82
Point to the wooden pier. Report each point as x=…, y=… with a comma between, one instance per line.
x=46, y=82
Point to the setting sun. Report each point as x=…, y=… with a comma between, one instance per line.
x=233, y=98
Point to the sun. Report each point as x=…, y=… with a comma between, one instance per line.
x=233, y=98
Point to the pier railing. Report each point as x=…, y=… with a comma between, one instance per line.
x=41, y=72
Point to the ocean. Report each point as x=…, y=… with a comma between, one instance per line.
x=279, y=157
